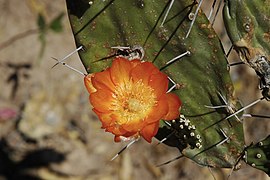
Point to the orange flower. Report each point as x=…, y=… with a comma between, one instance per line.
x=130, y=98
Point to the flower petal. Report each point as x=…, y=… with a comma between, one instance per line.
x=133, y=125
x=116, y=130
x=160, y=110
x=126, y=137
x=88, y=83
x=105, y=118
x=103, y=80
x=149, y=131
x=174, y=107
x=143, y=72
x=108, y=123
x=120, y=71
x=135, y=62
x=117, y=139
x=159, y=82
x=101, y=100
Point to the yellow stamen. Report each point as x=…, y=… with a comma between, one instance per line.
x=133, y=101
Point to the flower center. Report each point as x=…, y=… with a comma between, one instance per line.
x=133, y=101
x=134, y=105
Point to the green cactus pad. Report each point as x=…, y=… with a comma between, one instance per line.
x=258, y=155
x=202, y=78
x=247, y=24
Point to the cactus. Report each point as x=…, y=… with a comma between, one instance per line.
x=194, y=62
x=247, y=24
x=258, y=155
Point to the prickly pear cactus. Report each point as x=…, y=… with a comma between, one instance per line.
x=247, y=24
x=200, y=76
x=258, y=155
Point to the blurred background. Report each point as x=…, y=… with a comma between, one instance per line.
x=47, y=129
